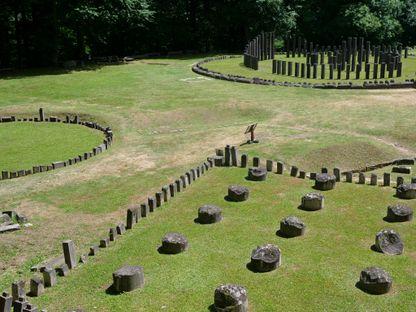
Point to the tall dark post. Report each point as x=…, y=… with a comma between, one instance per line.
x=322, y=71
x=41, y=114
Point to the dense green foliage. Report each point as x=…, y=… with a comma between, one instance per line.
x=36, y=33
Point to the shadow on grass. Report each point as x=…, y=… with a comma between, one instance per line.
x=374, y=248
x=282, y=235
x=359, y=286
x=111, y=291
x=211, y=308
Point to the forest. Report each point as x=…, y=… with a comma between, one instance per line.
x=47, y=32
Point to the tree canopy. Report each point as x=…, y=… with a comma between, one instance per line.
x=46, y=32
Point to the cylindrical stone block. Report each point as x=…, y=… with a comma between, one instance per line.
x=128, y=278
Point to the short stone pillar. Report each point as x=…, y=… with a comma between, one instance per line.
x=375, y=281
x=6, y=302
x=218, y=161
x=243, y=162
x=280, y=167
x=269, y=165
x=173, y=243
x=406, y=191
x=399, y=181
x=18, y=289
x=69, y=253
x=325, y=182
x=31, y=308
x=257, y=174
x=294, y=171
x=121, y=228
x=49, y=277
x=256, y=161
x=324, y=170
x=386, y=179
x=373, y=179
x=208, y=214
x=312, y=202
x=63, y=269
x=172, y=189
x=165, y=191
x=227, y=160
x=19, y=304
x=151, y=201
x=389, y=242
x=348, y=177
x=159, y=198
x=265, y=258
x=237, y=193
x=337, y=174
x=128, y=278
x=41, y=114
x=36, y=287
x=105, y=242
x=231, y=298
x=361, y=178
x=292, y=226
x=302, y=174
x=132, y=217
x=184, y=181
x=234, y=156
x=112, y=234
x=399, y=213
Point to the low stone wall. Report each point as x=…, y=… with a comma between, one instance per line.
x=107, y=141
x=376, y=84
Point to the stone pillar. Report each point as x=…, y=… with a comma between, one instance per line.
x=312, y=176
x=172, y=189
x=289, y=68
x=131, y=218
x=41, y=114
x=386, y=179
x=184, y=179
x=296, y=69
x=188, y=176
x=165, y=191
x=357, y=71
x=294, y=171
x=347, y=71
x=36, y=287
x=331, y=71
x=323, y=71
x=5, y=302
x=69, y=253
x=302, y=70
x=234, y=156
x=256, y=161
x=361, y=178
x=243, y=161
x=348, y=177
x=178, y=185
x=144, y=210
x=31, y=308
x=337, y=174
x=308, y=70
x=283, y=67
x=49, y=277
x=375, y=71
x=19, y=304
x=383, y=70
x=373, y=179
x=269, y=165
x=302, y=174
x=339, y=67
x=159, y=197
x=227, y=156
x=315, y=71
x=280, y=167
x=18, y=290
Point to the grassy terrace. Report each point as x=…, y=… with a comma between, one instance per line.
x=167, y=119
x=25, y=144
x=326, y=262
x=235, y=66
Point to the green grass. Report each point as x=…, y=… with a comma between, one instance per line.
x=26, y=144
x=323, y=264
x=235, y=66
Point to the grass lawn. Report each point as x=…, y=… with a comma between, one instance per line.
x=167, y=119
x=25, y=144
x=235, y=66
x=323, y=266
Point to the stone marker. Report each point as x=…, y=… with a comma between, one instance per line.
x=151, y=201
x=292, y=226
x=19, y=304
x=257, y=174
x=69, y=253
x=280, y=167
x=399, y=213
x=172, y=189
x=93, y=250
x=373, y=179
x=312, y=201
x=265, y=258
x=348, y=177
x=294, y=171
x=218, y=161
x=325, y=182
x=105, y=242
x=178, y=185
x=269, y=165
x=324, y=170
x=237, y=193
x=173, y=243
x=361, y=178
x=406, y=191
x=386, y=179
x=399, y=181
x=337, y=174
x=112, y=234
x=5, y=302
x=49, y=277
x=165, y=191
x=159, y=197
x=18, y=289
x=230, y=298
x=128, y=278
x=209, y=214
x=389, y=242
x=234, y=156
x=132, y=217
x=144, y=210
x=227, y=160
x=256, y=161
x=402, y=169
x=62, y=270
x=243, y=161
x=375, y=281
x=36, y=287
x=302, y=174
x=121, y=228
x=31, y=308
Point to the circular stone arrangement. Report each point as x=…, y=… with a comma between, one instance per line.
x=257, y=174
x=399, y=213
x=325, y=182
x=265, y=258
x=389, y=242
x=292, y=226
x=173, y=243
x=230, y=298
x=375, y=281
x=128, y=278
x=237, y=193
x=312, y=201
x=209, y=214
x=406, y=191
